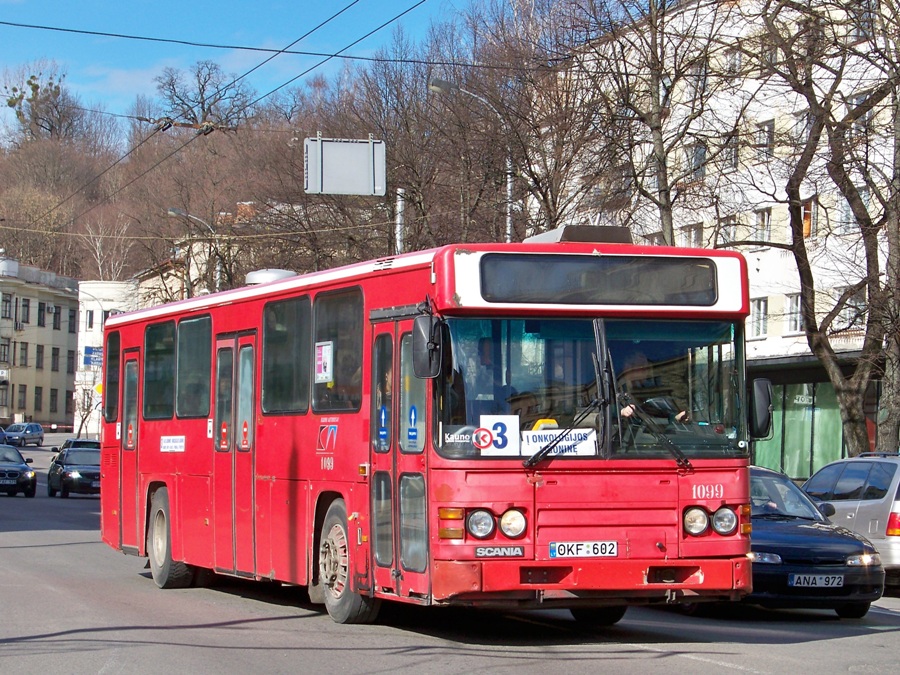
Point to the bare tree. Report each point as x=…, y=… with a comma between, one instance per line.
x=205, y=94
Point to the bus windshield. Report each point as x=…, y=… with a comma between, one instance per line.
x=613, y=388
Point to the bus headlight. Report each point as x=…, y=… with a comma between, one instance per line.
x=512, y=523
x=724, y=521
x=695, y=521
x=480, y=524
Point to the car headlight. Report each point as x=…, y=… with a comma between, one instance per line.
x=864, y=560
x=724, y=521
x=695, y=521
x=29, y=475
x=480, y=524
x=74, y=473
x=512, y=523
x=764, y=558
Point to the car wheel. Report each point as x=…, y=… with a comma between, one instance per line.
x=30, y=492
x=64, y=491
x=51, y=491
x=11, y=493
x=598, y=616
x=857, y=610
x=167, y=573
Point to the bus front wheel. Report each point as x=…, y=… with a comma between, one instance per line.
x=167, y=573
x=344, y=605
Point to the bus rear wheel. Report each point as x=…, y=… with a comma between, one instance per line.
x=167, y=573
x=335, y=569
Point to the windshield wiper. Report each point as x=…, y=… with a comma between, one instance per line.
x=547, y=449
x=680, y=458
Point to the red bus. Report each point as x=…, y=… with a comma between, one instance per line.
x=533, y=425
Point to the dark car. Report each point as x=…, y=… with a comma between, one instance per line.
x=77, y=443
x=24, y=433
x=800, y=559
x=15, y=474
x=74, y=470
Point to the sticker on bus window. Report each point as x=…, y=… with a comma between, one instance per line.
x=574, y=442
x=324, y=362
x=497, y=436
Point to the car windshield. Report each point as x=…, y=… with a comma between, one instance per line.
x=11, y=455
x=14, y=428
x=85, y=444
x=89, y=457
x=774, y=495
x=511, y=386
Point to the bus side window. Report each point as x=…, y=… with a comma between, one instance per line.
x=338, y=338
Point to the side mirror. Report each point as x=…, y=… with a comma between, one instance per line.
x=761, y=409
x=28, y=460
x=826, y=509
x=426, y=347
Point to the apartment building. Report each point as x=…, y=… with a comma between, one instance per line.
x=38, y=342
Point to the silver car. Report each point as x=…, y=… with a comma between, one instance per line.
x=865, y=494
x=25, y=433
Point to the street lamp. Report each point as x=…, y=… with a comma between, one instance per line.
x=445, y=87
x=180, y=213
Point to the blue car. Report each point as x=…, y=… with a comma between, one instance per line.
x=25, y=433
x=800, y=559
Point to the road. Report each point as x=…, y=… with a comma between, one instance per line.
x=70, y=604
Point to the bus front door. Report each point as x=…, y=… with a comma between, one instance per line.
x=234, y=461
x=398, y=458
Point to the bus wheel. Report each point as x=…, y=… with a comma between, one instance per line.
x=598, y=616
x=343, y=604
x=167, y=573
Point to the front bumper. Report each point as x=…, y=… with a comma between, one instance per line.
x=771, y=589
x=571, y=583
x=85, y=485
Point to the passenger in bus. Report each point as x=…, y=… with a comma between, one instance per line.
x=638, y=378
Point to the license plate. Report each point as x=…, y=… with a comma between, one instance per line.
x=584, y=549
x=95, y=484
x=816, y=580
x=7, y=481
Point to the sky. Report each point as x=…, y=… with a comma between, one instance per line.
x=113, y=71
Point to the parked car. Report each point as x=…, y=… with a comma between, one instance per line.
x=15, y=474
x=25, y=433
x=74, y=470
x=865, y=494
x=3, y=437
x=800, y=559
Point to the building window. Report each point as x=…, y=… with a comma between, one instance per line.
x=862, y=19
x=765, y=140
x=4, y=395
x=42, y=314
x=89, y=319
x=54, y=400
x=39, y=357
x=4, y=350
x=764, y=224
x=655, y=239
x=70, y=401
x=38, y=399
x=698, y=161
x=54, y=359
x=768, y=54
x=23, y=354
x=730, y=153
x=727, y=230
x=853, y=313
x=759, y=317
x=70, y=361
x=808, y=215
x=862, y=125
x=847, y=220
x=26, y=310
x=6, y=306
x=794, y=320
x=23, y=395
x=57, y=320
x=691, y=236
x=698, y=80
x=732, y=61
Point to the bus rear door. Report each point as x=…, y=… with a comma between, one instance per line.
x=131, y=515
x=234, y=451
